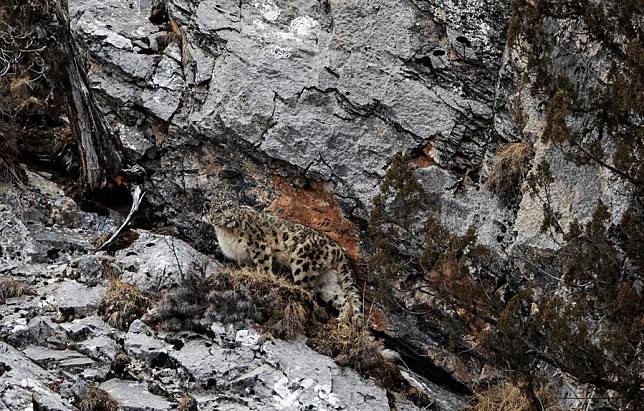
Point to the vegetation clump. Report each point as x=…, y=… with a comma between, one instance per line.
x=510, y=167
x=585, y=317
x=349, y=344
x=10, y=287
x=121, y=362
x=29, y=80
x=97, y=399
x=186, y=403
x=591, y=327
x=397, y=206
x=238, y=296
x=123, y=303
x=509, y=396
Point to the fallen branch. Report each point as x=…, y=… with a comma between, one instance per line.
x=137, y=196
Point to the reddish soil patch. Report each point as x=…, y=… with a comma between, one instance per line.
x=315, y=207
x=423, y=160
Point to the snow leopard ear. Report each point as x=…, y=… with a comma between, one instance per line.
x=206, y=212
x=205, y=209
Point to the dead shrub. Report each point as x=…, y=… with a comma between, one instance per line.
x=97, y=399
x=123, y=303
x=511, y=165
x=19, y=86
x=510, y=396
x=10, y=287
x=350, y=345
x=110, y=270
x=286, y=309
x=237, y=296
x=292, y=323
x=179, y=309
x=121, y=362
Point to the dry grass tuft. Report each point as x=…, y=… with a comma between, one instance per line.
x=10, y=287
x=293, y=322
x=181, y=308
x=97, y=399
x=511, y=165
x=19, y=86
x=350, y=345
x=121, y=362
x=186, y=403
x=123, y=303
x=510, y=397
x=110, y=270
x=266, y=281
x=285, y=308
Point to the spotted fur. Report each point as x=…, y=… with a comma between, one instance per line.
x=316, y=262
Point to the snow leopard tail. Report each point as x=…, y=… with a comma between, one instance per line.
x=352, y=309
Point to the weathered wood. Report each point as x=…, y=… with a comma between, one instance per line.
x=100, y=149
x=137, y=197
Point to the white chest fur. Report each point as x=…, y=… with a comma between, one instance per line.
x=231, y=246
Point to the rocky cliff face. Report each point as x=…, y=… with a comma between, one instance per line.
x=451, y=147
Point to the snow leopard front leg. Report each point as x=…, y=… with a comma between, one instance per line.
x=302, y=269
x=262, y=256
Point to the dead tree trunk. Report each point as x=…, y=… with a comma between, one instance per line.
x=101, y=151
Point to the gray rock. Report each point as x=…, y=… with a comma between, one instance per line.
x=133, y=396
x=442, y=398
x=45, y=402
x=53, y=359
x=74, y=389
x=16, y=241
x=75, y=300
x=21, y=322
x=295, y=81
x=90, y=270
x=21, y=380
x=99, y=348
x=207, y=401
x=307, y=380
x=97, y=374
x=86, y=327
x=155, y=262
x=20, y=331
x=167, y=82
x=575, y=194
x=141, y=342
x=54, y=243
x=210, y=364
x=467, y=206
